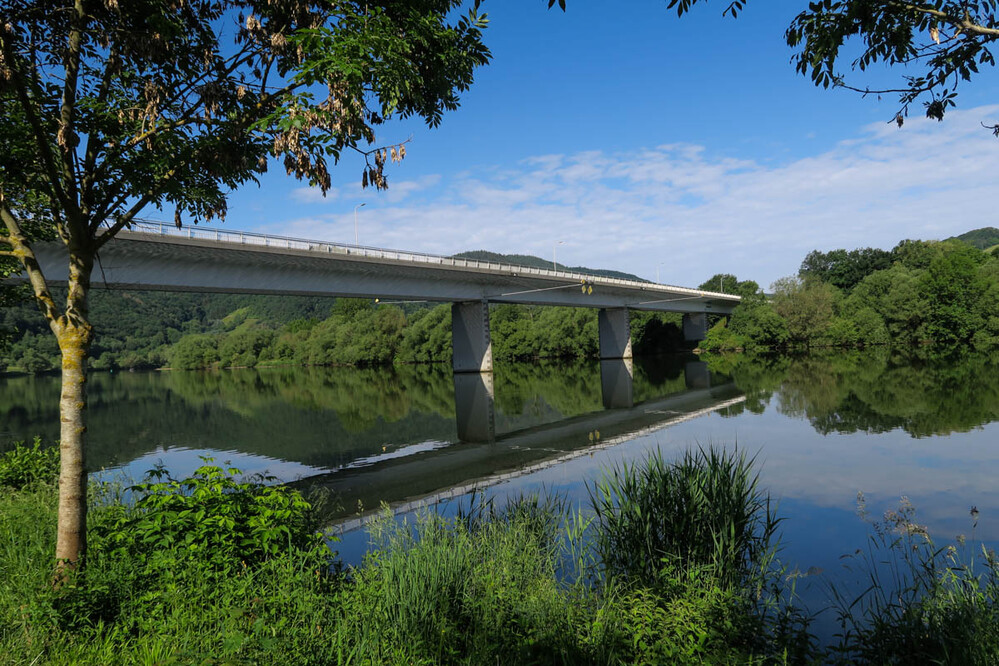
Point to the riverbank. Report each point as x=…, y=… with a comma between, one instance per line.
x=214, y=568
x=250, y=581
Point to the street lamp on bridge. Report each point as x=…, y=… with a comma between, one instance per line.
x=355, y=221
x=554, y=247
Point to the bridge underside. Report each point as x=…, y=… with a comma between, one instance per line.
x=149, y=261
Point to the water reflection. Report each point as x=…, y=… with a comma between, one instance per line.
x=826, y=426
x=475, y=413
x=617, y=383
x=311, y=420
x=874, y=391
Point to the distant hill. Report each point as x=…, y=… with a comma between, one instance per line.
x=538, y=262
x=983, y=239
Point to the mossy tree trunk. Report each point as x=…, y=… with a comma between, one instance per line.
x=74, y=333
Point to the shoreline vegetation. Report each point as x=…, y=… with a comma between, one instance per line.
x=674, y=562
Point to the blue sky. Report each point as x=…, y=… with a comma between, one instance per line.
x=649, y=143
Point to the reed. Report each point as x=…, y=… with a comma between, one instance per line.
x=704, y=512
x=924, y=603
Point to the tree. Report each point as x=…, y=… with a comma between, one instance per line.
x=940, y=43
x=844, y=269
x=110, y=107
x=806, y=306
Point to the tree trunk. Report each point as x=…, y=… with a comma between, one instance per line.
x=74, y=333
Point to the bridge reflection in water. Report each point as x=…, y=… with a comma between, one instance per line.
x=484, y=457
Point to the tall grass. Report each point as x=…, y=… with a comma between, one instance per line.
x=923, y=603
x=704, y=511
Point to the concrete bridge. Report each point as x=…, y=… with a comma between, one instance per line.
x=161, y=257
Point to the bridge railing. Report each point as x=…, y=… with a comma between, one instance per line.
x=231, y=236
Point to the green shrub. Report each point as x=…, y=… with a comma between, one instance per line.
x=28, y=465
x=213, y=518
x=194, y=352
x=695, y=624
x=721, y=338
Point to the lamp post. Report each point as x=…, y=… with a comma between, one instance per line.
x=554, y=247
x=355, y=221
x=657, y=272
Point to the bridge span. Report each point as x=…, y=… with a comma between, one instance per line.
x=159, y=256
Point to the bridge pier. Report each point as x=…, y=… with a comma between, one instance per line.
x=695, y=326
x=472, y=346
x=474, y=409
x=696, y=375
x=615, y=333
x=616, y=383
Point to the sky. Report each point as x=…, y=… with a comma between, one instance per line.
x=670, y=148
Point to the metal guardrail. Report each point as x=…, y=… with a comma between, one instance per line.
x=232, y=237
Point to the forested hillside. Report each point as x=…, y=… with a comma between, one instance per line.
x=984, y=238
x=538, y=262
x=944, y=292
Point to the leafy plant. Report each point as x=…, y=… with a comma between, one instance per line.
x=27, y=465
x=215, y=518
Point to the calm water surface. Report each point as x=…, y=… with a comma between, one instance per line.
x=824, y=429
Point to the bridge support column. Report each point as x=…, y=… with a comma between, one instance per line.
x=696, y=375
x=615, y=333
x=474, y=407
x=695, y=326
x=473, y=349
x=616, y=386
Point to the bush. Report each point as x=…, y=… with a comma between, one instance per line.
x=213, y=518
x=28, y=465
x=721, y=338
x=194, y=352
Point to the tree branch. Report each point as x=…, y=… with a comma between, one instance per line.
x=23, y=252
x=44, y=150
x=66, y=138
x=965, y=24
x=124, y=220
x=94, y=139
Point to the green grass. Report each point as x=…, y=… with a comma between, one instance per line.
x=704, y=511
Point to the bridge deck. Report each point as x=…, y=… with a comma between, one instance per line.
x=161, y=257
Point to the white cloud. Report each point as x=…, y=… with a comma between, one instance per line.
x=700, y=212
x=314, y=195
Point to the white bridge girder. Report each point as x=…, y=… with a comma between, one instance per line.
x=158, y=257
x=142, y=260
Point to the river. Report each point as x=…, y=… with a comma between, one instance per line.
x=823, y=428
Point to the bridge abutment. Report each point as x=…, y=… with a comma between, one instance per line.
x=615, y=333
x=695, y=326
x=472, y=346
